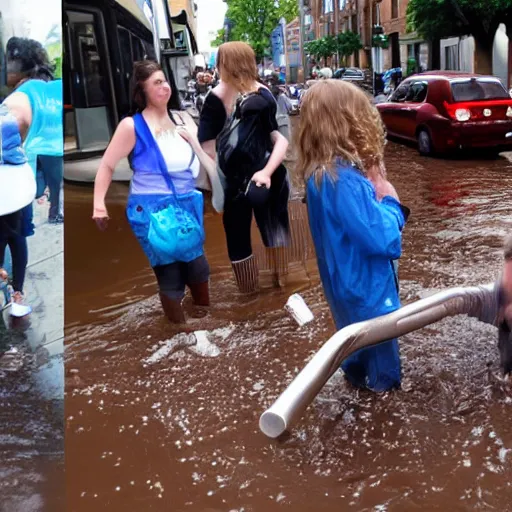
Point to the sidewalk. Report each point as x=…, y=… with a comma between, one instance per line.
x=32, y=389
x=44, y=287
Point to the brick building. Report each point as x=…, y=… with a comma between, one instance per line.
x=361, y=16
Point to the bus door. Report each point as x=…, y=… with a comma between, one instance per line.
x=89, y=99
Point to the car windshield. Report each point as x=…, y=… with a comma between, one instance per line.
x=478, y=90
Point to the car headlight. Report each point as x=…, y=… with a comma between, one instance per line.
x=509, y=112
x=462, y=114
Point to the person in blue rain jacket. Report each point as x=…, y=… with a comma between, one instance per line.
x=355, y=219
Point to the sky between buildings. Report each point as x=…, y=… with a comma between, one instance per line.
x=210, y=18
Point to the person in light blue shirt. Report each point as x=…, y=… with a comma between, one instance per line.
x=31, y=74
x=355, y=219
x=35, y=108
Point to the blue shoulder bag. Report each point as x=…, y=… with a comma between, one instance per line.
x=173, y=230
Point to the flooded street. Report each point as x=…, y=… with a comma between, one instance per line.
x=156, y=421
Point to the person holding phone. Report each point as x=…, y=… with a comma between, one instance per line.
x=238, y=126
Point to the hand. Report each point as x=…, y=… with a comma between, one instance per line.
x=262, y=179
x=384, y=188
x=189, y=137
x=100, y=216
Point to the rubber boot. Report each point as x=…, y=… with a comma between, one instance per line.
x=278, y=259
x=246, y=274
x=200, y=293
x=173, y=309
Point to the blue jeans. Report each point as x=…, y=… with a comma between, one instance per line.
x=50, y=172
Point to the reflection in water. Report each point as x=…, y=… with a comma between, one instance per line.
x=155, y=416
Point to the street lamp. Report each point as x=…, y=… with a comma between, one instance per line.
x=302, y=16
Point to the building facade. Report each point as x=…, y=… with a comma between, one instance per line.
x=362, y=17
x=190, y=7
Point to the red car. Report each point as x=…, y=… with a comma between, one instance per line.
x=445, y=110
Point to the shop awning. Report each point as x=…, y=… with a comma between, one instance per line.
x=182, y=19
x=132, y=6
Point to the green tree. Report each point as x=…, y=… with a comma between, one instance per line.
x=253, y=21
x=53, y=46
x=348, y=43
x=437, y=19
x=321, y=48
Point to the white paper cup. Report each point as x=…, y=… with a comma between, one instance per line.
x=299, y=310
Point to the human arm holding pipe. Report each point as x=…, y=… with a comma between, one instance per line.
x=506, y=281
x=120, y=147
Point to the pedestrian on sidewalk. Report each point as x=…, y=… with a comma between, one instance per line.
x=238, y=126
x=164, y=209
x=36, y=104
x=30, y=72
x=17, y=190
x=355, y=218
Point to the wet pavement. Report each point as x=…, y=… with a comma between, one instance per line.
x=157, y=420
x=32, y=382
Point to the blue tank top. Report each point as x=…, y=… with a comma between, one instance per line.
x=45, y=135
x=144, y=161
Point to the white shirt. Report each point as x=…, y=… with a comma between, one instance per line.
x=177, y=153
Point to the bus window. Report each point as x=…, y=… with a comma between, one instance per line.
x=89, y=82
x=137, y=48
x=126, y=55
x=149, y=51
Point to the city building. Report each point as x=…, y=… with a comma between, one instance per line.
x=368, y=17
x=190, y=7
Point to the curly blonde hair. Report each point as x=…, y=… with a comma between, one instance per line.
x=237, y=66
x=338, y=120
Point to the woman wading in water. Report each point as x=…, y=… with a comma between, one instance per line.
x=164, y=209
x=238, y=126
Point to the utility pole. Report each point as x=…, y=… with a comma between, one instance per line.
x=302, y=17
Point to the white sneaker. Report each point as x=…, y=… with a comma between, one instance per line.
x=18, y=307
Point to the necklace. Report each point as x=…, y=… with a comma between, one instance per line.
x=161, y=131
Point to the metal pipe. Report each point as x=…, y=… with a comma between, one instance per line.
x=480, y=302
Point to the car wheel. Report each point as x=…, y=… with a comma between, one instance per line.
x=425, y=146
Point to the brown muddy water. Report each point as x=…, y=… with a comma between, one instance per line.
x=154, y=423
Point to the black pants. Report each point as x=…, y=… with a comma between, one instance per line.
x=11, y=227
x=272, y=219
x=173, y=278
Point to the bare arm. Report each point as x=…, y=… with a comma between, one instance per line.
x=120, y=147
x=210, y=148
x=210, y=166
x=18, y=104
x=262, y=178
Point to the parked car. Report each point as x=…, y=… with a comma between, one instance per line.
x=349, y=74
x=445, y=111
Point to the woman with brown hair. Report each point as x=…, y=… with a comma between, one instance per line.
x=355, y=219
x=164, y=209
x=238, y=126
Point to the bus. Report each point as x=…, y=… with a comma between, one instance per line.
x=102, y=40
